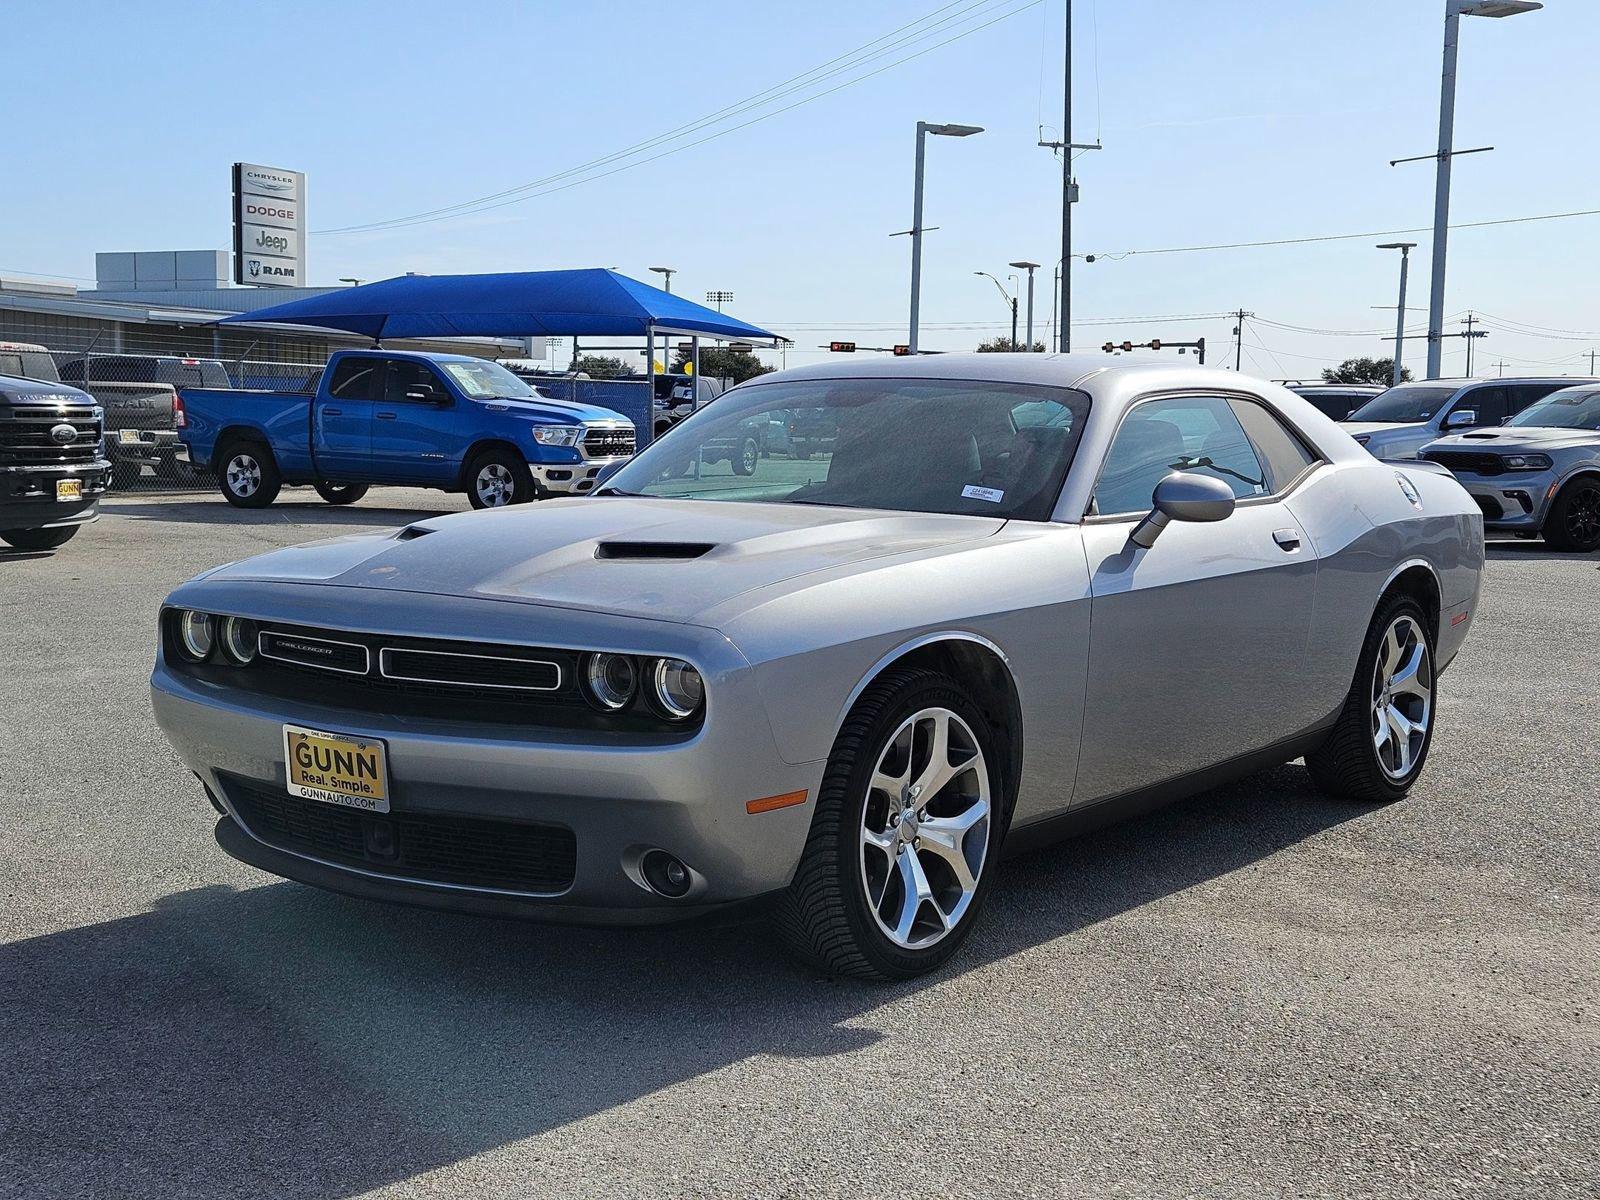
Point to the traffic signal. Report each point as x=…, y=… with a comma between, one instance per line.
x=842, y=347
x=1126, y=346
x=902, y=349
x=1155, y=343
x=1109, y=347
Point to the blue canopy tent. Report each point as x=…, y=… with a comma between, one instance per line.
x=582, y=303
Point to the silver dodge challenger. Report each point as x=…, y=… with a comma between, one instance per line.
x=999, y=597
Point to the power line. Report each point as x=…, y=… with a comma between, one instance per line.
x=1342, y=237
x=819, y=74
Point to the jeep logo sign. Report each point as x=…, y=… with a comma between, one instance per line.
x=268, y=226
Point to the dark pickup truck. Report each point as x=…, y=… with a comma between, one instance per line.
x=53, y=468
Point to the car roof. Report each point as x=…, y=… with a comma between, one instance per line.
x=1057, y=370
x=423, y=355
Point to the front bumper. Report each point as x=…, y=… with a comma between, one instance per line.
x=574, y=478
x=618, y=797
x=28, y=496
x=1514, y=502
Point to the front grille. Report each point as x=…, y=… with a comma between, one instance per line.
x=26, y=438
x=511, y=856
x=1474, y=463
x=319, y=653
x=608, y=443
x=503, y=671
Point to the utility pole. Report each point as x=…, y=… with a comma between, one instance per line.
x=1591, y=361
x=1500, y=373
x=1069, y=188
x=1238, y=334
x=1400, y=312
x=1469, y=321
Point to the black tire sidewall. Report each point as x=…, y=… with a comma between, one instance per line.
x=39, y=539
x=922, y=690
x=271, y=480
x=749, y=450
x=1555, y=531
x=341, y=493
x=522, y=485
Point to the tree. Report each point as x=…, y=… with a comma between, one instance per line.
x=734, y=365
x=1364, y=370
x=599, y=366
x=1004, y=345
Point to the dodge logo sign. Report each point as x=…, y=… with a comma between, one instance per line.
x=64, y=435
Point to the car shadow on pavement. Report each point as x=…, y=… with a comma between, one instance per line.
x=315, y=512
x=280, y=1040
x=1533, y=552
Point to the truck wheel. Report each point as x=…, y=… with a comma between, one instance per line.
x=39, y=539
x=341, y=493
x=744, y=463
x=905, y=834
x=1380, y=741
x=248, y=474
x=1574, y=520
x=497, y=478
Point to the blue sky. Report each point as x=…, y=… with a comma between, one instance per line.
x=1232, y=120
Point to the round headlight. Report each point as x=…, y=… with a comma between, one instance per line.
x=611, y=680
x=239, y=639
x=677, y=688
x=196, y=634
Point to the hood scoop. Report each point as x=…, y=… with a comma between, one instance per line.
x=1481, y=437
x=411, y=533
x=654, y=551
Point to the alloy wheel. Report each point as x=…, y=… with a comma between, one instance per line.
x=925, y=828
x=1583, y=516
x=495, y=486
x=244, y=475
x=1402, y=697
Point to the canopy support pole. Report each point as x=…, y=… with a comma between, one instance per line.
x=694, y=359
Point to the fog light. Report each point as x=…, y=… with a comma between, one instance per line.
x=195, y=635
x=665, y=875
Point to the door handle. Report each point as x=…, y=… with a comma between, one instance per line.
x=333, y=412
x=386, y=416
x=1288, y=539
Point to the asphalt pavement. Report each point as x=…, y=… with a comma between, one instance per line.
x=1259, y=992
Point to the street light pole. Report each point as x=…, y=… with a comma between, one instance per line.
x=1454, y=10
x=1030, y=268
x=1400, y=315
x=1011, y=302
x=923, y=129
x=669, y=272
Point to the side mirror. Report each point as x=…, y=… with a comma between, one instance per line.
x=422, y=392
x=1183, y=496
x=1462, y=418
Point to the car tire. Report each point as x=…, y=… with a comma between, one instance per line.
x=248, y=474
x=497, y=478
x=872, y=858
x=340, y=493
x=1573, y=522
x=1369, y=755
x=744, y=463
x=39, y=539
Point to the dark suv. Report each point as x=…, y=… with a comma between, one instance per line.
x=53, y=468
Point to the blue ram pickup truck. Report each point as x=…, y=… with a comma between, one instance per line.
x=442, y=421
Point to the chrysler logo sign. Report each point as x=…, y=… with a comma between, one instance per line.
x=269, y=222
x=259, y=180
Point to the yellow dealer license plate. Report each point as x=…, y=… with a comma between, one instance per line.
x=69, y=489
x=336, y=769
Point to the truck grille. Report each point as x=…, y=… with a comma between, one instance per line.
x=1473, y=462
x=26, y=437
x=512, y=856
x=608, y=443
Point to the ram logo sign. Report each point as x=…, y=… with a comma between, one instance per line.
x=268, y=226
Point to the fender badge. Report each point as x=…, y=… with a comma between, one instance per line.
x=1410, y=490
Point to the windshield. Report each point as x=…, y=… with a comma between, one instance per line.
x=1570, y=408
x=29, y=364
x=485, y=380
x=912, y=445
x=1404, y=404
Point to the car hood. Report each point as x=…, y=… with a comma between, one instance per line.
x=610, y=554
x=1518, y=437
x=552, y=411
x=1356, y=428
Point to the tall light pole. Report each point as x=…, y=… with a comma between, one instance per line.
x=1400, y=313
x=1454, y=10
x=669, y=272
x=719, y=298
x=923, y=129
x=1030, y=268
x=1011, y=303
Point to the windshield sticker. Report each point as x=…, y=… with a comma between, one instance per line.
x=971, y=492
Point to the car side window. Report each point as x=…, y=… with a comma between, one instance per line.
x=355, y=379
x=405, y=374
x=1285, y=455
x=1525, y=394
x=1488, y=402
x=1185, y=433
